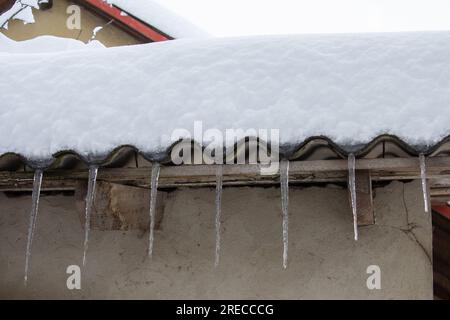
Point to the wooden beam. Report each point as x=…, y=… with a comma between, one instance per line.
x=364, y=198
x=440, y=192
x=20, y=185
x=236, y=174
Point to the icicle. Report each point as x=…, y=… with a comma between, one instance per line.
x=423, y=175
x=219, y=179
x=284, y=185
x=352, y=187
x=33, y=218
x=89, y=202
x=153, y=194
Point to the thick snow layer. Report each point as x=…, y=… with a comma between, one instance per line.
x=160, y=17
x=350, y=88
x=44, y=44
x=21, y=10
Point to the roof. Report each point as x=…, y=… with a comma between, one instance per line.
x=160, y=17
x=145, y=19
x=130, y=24
x=349, y=91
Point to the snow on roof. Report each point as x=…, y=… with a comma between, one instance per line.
x=350, y=88
x=160, y=17
x=44, y=44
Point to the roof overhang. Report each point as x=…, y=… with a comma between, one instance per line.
x=130, y=24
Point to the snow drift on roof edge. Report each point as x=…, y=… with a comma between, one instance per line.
x=160, y=17
x=349, y=88
x=43, y=44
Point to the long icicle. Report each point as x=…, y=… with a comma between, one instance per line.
x=33, y=218
x=284, y=186
x=153, y=195
x=219, y=182
x=88, y=209
x=352, y=187
x=423, y=175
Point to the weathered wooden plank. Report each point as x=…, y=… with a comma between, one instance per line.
x=47, y=185
x=235, y=174
x=440, y=192
x=364, y=198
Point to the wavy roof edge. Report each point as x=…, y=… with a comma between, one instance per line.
x=11, y=161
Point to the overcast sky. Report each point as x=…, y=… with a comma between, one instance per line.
x=250, y=17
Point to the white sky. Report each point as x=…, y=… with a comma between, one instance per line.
x=250, y=17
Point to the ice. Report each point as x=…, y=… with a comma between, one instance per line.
x=153, y=195
x=423, y=176
x=95, y=31
x=284, y=186
x=33, y=218
x=219, y=180
x=352, y=188
x=88, y=209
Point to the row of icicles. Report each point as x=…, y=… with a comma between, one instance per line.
x=284, y=186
